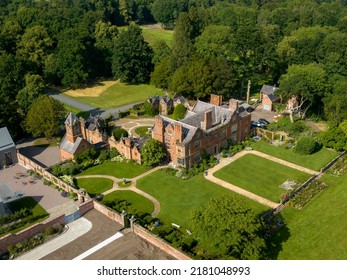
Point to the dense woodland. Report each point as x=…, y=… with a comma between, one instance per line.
x=300, y=45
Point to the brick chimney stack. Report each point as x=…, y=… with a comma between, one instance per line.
x=158, y=131
x=207, y=120
x=216, y=100
x=233, y=105
x=178, y=132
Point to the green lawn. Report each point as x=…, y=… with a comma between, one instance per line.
x=137, y=202
x=153, y=35
x=116, y=169
x=178, y=198
x=318, y=232
x=120, y=94
x=142, y=131
x=39, y=214
x=77, y=112
x=95, y=186
x=315, y=161
x=260, y=176
x=47, y=142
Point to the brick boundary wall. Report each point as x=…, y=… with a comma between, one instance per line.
x=160, y=243
x=12, y=239
x=114, y=216
x=29, y=164
x=86, y=207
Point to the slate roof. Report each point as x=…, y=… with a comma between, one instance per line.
x=270, y=92
x=6, y=141
x=71, y=119
x=194, y=119
x=70, y=147
x=187, y=130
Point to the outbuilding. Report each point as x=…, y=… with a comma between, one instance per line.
x=8, y=151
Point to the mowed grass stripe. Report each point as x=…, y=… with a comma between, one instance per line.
x=315, y=161
x=179, y=198
x=94, y=186
x=260, y=176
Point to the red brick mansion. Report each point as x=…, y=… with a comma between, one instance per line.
x=84, y=134
x=208, y=127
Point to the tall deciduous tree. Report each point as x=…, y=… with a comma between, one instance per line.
x=226, y=229
x=34, y=45
x=132, y=57
x=306, y=82
x=152, y=153
x=11, y=81
x=34, y=88
x=302, y=46
x=335, y=103
x=44, y=117
x=167, y=11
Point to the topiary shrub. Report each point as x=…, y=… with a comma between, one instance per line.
x=179, y=112
x=149, y=110
x=118, y=133
x=306, y=146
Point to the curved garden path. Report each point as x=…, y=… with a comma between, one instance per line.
x=131, y=124
x=132, y=187
x=226, y=161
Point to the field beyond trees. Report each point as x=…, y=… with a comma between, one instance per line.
x=116, y=95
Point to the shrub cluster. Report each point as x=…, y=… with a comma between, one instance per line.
x=306, y=146
x=233, y=149
x=292, y=129
x=334, y=138
x=9, y=218
x=176, y=237
x=28, y=244
x=20, y=223
x=207, y=163
x=83, y=161
x=118, y=133
x=179, y=112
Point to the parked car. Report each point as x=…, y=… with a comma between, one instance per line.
x=257, y=124
x=263, y=121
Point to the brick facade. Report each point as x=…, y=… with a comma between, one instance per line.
x=82, y=135
x=268, y=97
x=207, y=128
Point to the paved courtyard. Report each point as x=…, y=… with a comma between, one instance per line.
x=45, y=156
x=47, y=197
x=260, y=113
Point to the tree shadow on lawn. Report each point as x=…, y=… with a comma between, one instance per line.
x=276, y=234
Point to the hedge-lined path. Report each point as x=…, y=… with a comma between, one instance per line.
x=226, y=161
x=132, y=187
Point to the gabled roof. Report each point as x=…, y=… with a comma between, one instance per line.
x=6, y=141
x=69, y=147
x=187, y=130
x=196, y=116
x=71, y=119
x=268, y=89
x=270, y=92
